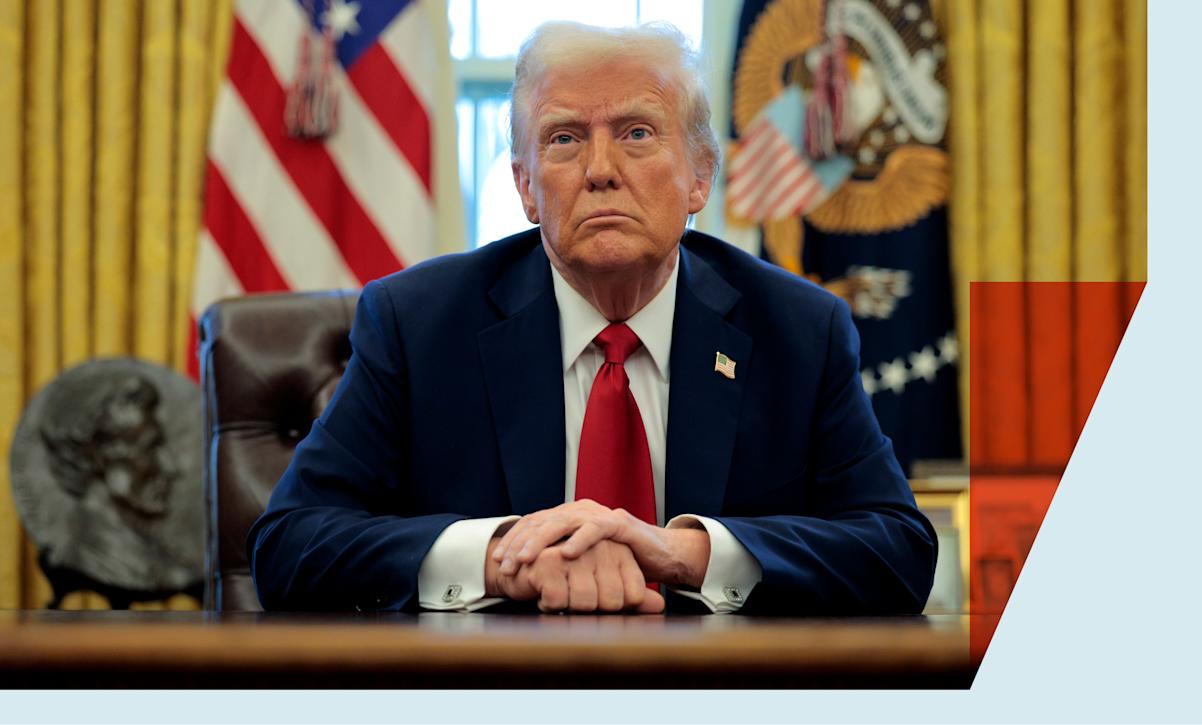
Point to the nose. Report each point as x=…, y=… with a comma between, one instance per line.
x=601, y=170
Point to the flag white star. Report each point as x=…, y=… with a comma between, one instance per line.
x=949, y=349
x=893, y=375
x=341, y=18
x=924, y=364
x=869, y=381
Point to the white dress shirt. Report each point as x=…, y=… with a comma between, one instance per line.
x=452, y=574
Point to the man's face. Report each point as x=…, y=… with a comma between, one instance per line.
x=606, y=170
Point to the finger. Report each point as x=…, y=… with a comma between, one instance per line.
x=634, y=584
x=527, y=549
x=582, y=589
x=498, y=552
x=553, y=592
x=551, y=534
x=653, y=603
x=612, y=593
x=584, y=538
x=509, y=561
x=535, y=518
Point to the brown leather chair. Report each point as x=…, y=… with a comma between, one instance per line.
x=268, y=366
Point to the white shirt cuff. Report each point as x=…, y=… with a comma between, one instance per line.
x=732, y=572
x=451, y=577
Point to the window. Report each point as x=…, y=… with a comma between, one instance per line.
x=485, y=36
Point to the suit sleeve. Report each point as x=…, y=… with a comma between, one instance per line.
x=329, y=539
x=863, y=546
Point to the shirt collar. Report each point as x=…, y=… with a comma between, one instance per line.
x=580, y=322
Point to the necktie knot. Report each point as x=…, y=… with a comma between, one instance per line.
x=617, y=342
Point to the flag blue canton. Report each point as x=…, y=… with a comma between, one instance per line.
x=373, y=17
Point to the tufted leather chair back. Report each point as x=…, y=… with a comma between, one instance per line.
x=268, y=366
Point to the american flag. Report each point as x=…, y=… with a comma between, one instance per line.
x=724, y=365
x=769, y=177
x=290, y=213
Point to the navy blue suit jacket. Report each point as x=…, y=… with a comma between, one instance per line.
x=452, y=407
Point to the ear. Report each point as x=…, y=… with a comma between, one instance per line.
x=521, y=179
x=700, y=193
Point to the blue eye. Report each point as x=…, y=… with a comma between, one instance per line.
x=638, y=134
x=561, y=139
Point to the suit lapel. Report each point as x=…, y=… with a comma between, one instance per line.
x=523, y=370
x=703, y=404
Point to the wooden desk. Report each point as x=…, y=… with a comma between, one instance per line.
x=199, y=649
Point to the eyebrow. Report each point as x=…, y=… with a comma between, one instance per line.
x=625, y=111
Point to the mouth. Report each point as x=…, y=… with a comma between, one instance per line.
x=606, y=216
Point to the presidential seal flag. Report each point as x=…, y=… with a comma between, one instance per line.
x=321, y=164
x=857, y=90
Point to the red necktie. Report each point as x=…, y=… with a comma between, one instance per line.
x=614, y=464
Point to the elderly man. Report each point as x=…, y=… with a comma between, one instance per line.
x=611, y=360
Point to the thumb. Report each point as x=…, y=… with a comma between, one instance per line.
x=653, y=603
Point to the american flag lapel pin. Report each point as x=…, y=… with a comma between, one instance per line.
x=724, y=365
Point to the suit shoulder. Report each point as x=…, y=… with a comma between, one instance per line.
x=451, y=278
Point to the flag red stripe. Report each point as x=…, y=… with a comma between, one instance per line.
x=774, y=175
x=309, y=164
x=753, y=153
x=815, y=190
x=786, y=187
x=810, y=186
x=750, y=143
x=780, y=185
x=387, y=93
x=751, y=181
x=237, y=237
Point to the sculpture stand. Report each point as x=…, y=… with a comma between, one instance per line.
x=65, y=581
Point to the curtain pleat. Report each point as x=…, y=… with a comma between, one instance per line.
x=964, y=146
x=1135, y=137
x=1097, y=81
x=77, y=94
x=42, y=191
x=12, y=283
x=153, y=268
x=186, y=196
x=1050, y=330
x=1048, y=150
x=116, y=105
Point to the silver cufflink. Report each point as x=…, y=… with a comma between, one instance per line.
x=733, y=595
x=452, y=593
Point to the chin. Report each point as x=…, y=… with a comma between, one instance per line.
x=615, y=253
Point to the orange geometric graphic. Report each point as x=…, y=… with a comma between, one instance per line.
x=1039, y=352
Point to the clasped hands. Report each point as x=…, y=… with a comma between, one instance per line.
x=585, y=557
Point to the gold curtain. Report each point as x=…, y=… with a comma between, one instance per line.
x=104, y=110
x=1048, y=145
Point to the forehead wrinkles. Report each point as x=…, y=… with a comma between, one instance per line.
x=569, y=94
x=558, y=113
